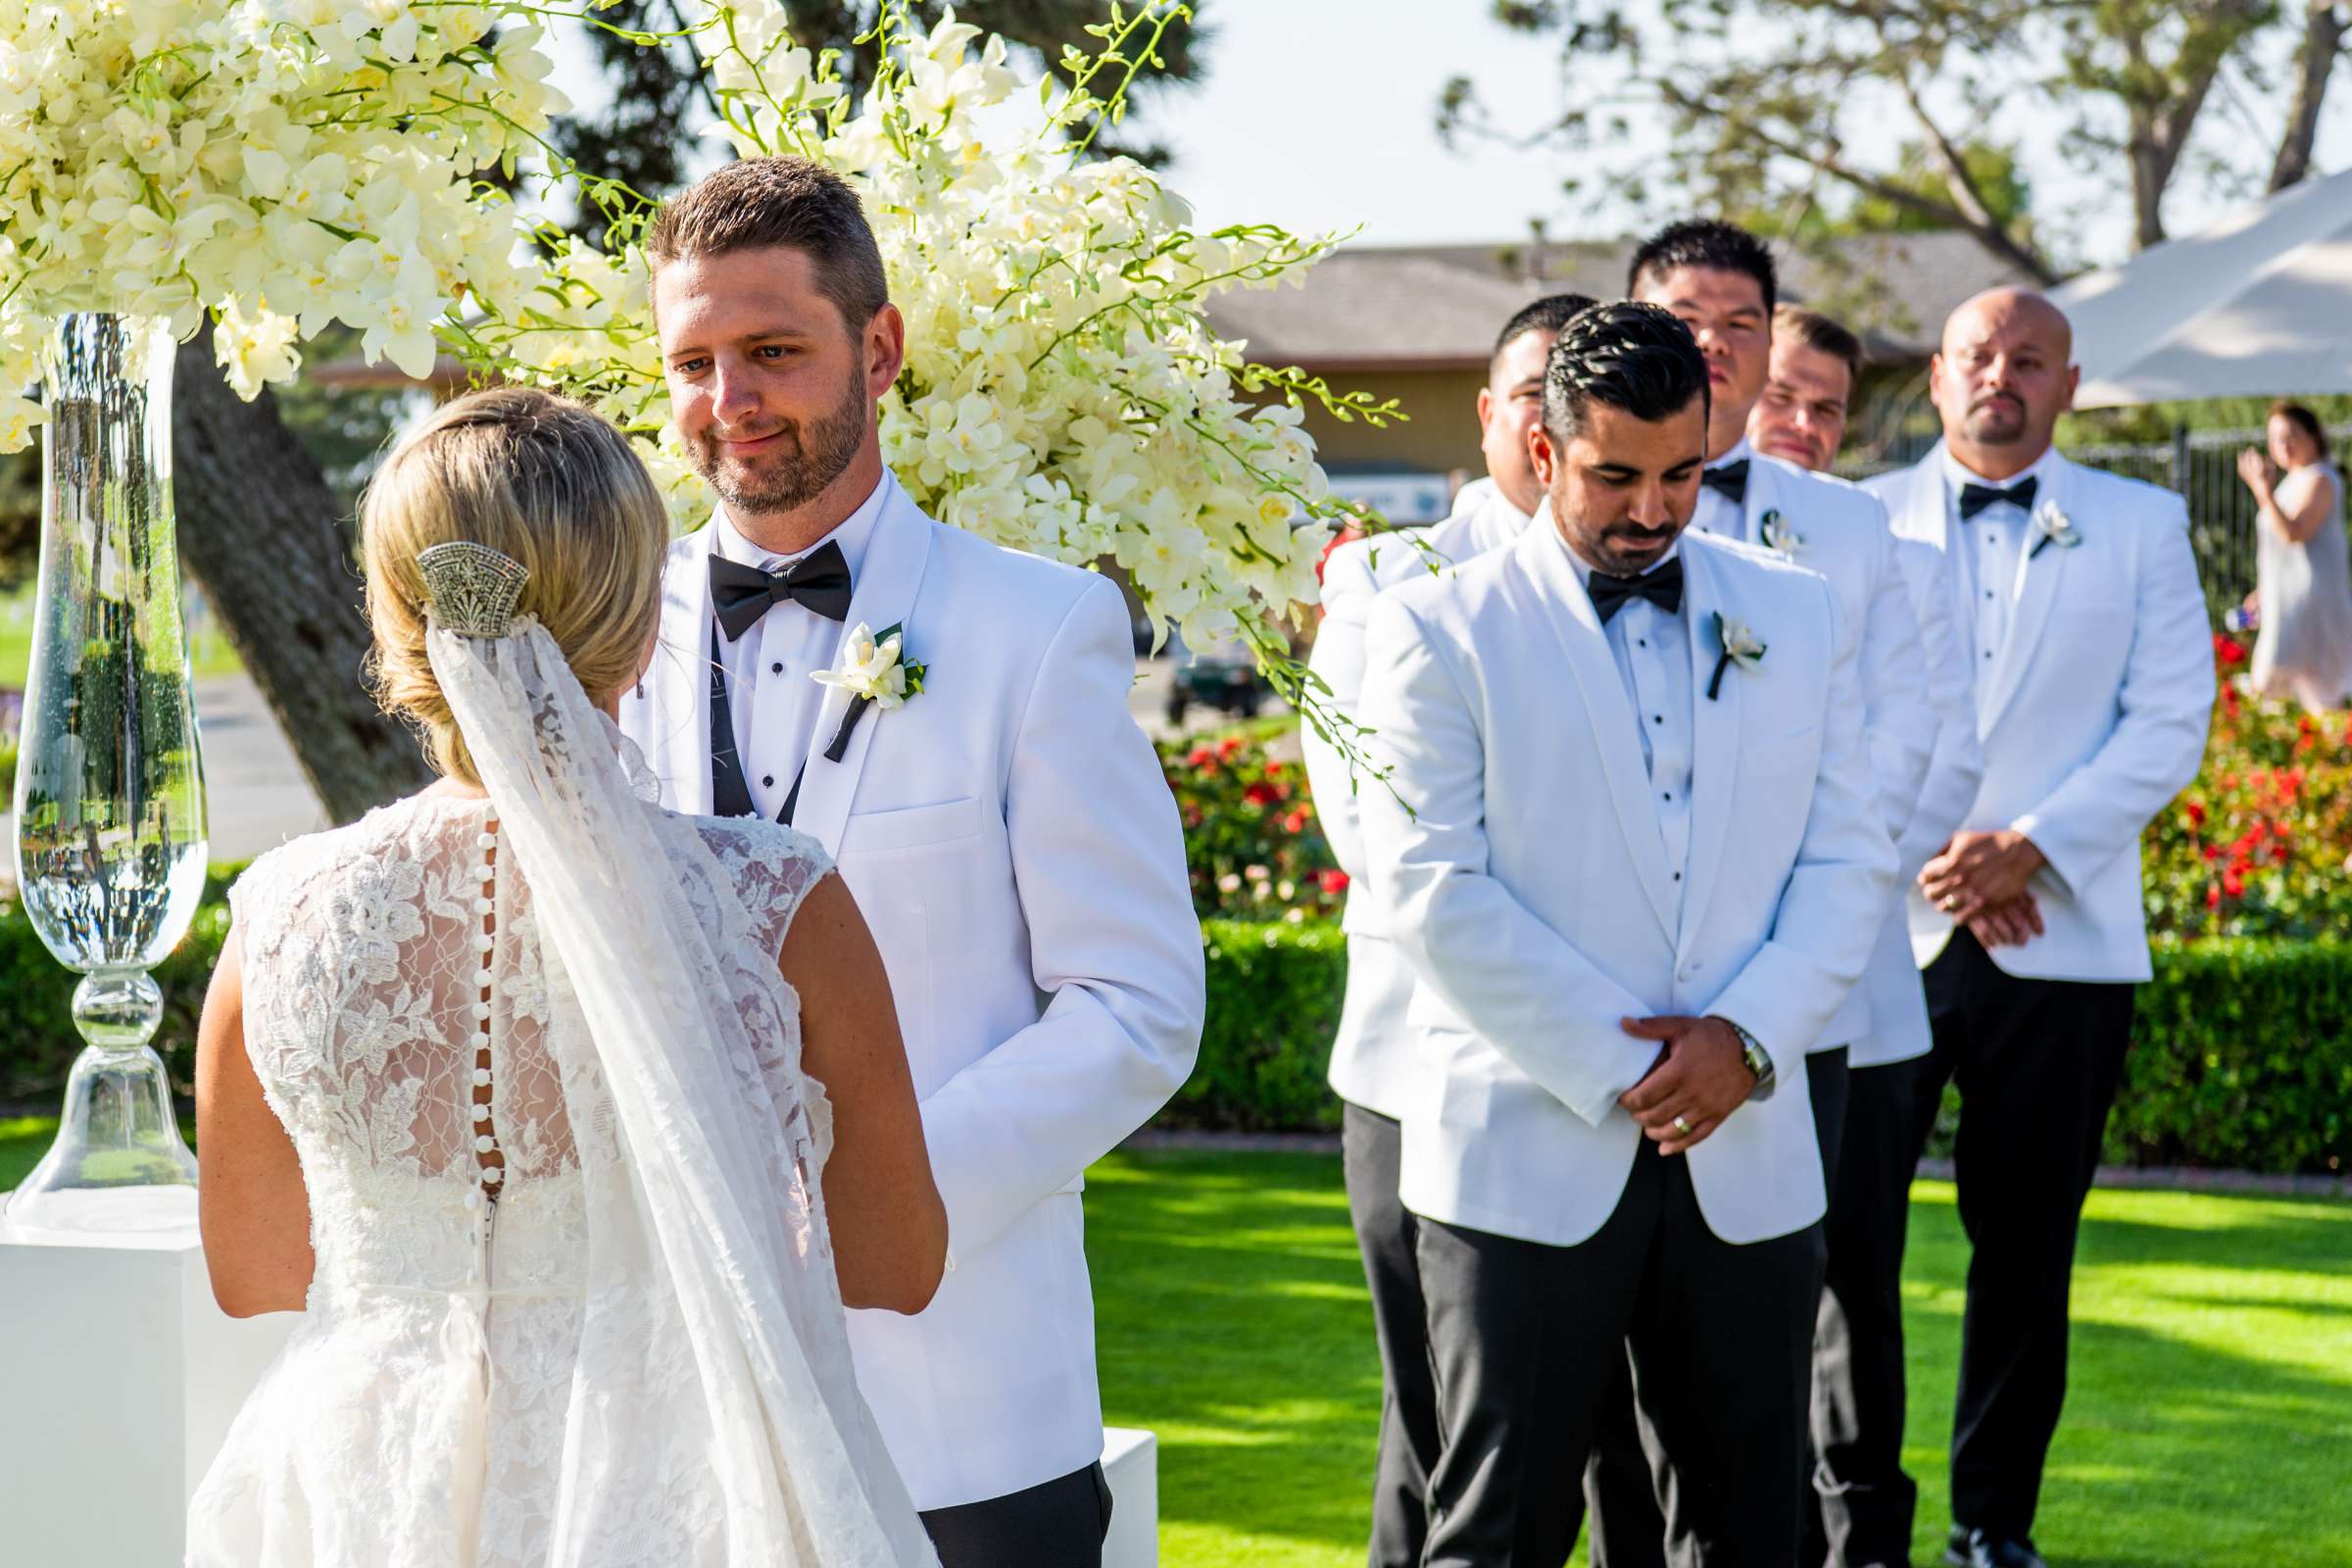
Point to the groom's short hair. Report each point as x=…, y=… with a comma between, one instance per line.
x=1637, y=357
x=755, y=202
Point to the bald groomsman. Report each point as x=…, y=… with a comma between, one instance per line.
x=1862, y=1519
x=2092, y=678
x=1371, y=1065
x=1719, y=282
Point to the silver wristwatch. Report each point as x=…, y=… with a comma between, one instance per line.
x=1758, y=1060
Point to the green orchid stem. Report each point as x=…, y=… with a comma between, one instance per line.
x=1715, y=686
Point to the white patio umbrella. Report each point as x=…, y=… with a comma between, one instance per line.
x=2260, y=305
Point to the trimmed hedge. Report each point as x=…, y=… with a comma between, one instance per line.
x=37, y=1042
x=2241, y=1056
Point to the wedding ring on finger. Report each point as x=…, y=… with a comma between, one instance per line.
x=1951, y=902
x=1682, y=1125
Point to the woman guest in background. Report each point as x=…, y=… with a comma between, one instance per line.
x=2303, y=583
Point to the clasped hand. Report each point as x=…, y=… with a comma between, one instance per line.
x=1981, y=881
x=1700, y=1076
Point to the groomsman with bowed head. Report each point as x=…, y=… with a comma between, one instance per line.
x=2092, y=679
x=1372, y=1058
x=1632, y=856
x=1719, y=282
x=1863, y=1519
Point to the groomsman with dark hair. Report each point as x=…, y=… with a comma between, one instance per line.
x=1371, y=1060
x=1631, y=850
x=2092, y=660
x=1720, y=281
x=1857, y=1390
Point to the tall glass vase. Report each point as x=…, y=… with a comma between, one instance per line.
x=110, y=787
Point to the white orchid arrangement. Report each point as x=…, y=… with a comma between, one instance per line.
x=278, y=165
x=1063, y=392
x=1779, y=537
x=269, y=165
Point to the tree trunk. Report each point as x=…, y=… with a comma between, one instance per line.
x=2323, y=25
x=258, y=533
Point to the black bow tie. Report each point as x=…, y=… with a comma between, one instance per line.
x=1662, y=586
x=1728, y=480
x=1974, y=497
x=818, y=581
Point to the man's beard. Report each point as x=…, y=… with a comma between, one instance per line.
x=819, y=451
x=1997, y=424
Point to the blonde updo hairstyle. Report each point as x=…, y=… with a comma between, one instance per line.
x=540, y=478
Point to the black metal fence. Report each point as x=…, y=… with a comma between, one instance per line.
x=2202, y=466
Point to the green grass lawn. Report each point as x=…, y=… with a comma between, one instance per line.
x=2210, y=1424
x=2210, y=1421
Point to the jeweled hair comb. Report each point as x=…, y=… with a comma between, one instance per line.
x=472, y=589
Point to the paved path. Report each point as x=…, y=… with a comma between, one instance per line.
x=255, y=794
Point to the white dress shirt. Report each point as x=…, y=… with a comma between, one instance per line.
x=1990, y=557
x=1653, y=659
x=768, y=668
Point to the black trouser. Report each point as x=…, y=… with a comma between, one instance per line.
x=2038, y=1063
x=1628, y=1475
x=1370, y=1145
x=1055, y=1524
x=1525, y=1340
x=1864, y=1502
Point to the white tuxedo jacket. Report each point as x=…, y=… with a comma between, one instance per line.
x=1372, y=1060
x=1899, y=1001
x=1528, y=885
x=2097, y=711
x=1011, y=839
x=1843, y=534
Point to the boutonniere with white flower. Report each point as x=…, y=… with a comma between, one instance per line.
x=876, y=674
x=1778, y=536
x=2053, y=527
x=1740, y=647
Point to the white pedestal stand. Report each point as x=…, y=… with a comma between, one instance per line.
x=1131, y=1463
x=123, y=1377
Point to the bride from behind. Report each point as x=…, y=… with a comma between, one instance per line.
x=522, y=1088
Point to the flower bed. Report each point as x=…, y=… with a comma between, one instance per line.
x=1251, y=838
x=2259, y=845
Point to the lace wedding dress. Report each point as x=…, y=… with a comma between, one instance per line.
x=495, y=1372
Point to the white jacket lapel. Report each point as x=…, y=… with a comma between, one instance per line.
x=1714, y=730
x=1568, y=611
x=1925, y=514
x=884, y=597
x=2041, y=577
x=1763, y=496
x=668, y=714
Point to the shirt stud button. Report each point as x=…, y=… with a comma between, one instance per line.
x=767, y=781
x=776, y=668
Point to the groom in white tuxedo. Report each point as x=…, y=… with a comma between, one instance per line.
x=1633, y=853
x=2092, y=660
x=1372, y=1059
x=1007, y=832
